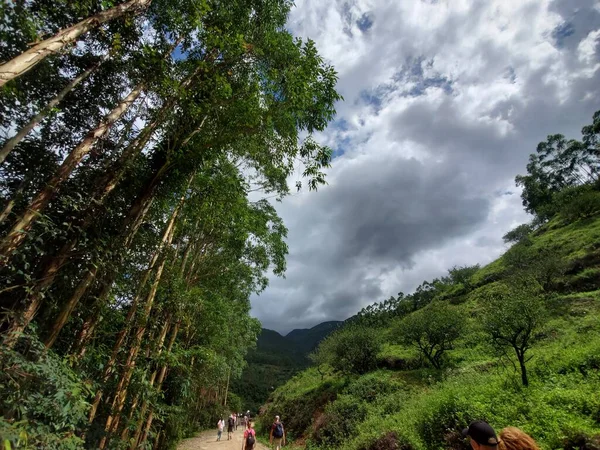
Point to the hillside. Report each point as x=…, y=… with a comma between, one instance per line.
x=403, y=401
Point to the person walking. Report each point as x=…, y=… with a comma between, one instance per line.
x=249, y=437
x=220, y=426
x=481, y=436
x=511, y=438
x=277, y=435
x=230, y=425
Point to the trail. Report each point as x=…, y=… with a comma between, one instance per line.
x=207, y=440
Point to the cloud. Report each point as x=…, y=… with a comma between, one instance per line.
x=444, y=102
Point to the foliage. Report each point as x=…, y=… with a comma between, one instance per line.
x=513, y=313
x=44, y=401
x=339, y=421
x=558, y=165
x=433, y=330
x=518, y=234
x=351, y=350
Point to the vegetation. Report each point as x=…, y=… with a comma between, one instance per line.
x=433, y=330
x=515, y=342
x=352, y=350
x=132, y=133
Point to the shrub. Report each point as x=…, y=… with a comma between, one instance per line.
x=339, y=421
x=351, y=350
x=43, y=402
x=579, y=202
x=389, y=441
x=371, y=386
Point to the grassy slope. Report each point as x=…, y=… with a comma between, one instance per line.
x=425, y=408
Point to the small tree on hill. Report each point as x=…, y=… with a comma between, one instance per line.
x=433, y=330
x=513, y=313
x=518, y=234
x=351, y=350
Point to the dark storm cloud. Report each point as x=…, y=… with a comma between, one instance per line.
x=374, y=217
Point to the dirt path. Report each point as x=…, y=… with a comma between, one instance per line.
x=208, y=441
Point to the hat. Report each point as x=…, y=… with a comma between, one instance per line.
x=482, y=433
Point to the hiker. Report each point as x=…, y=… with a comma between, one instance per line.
x=220, y=426
x=277, y=435
x=511, y=438
x=481, y=435
x=230, y=425
x=249, y=437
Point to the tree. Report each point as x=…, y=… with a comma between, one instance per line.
x=512, y=314
x=518, y=234
x=462, y=275
x=350, y=350
x=433, y=330
x=542, y=265
x=559, y=164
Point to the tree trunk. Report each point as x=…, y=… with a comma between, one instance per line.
x=226, y=387
x=121, y=390
x=131, y=313
x=159, y=382
x=28, y=59
x=521, y=358
x=14, y=141
x=68, y=308
x=142, y=413
x=89, y=326
x=123, y=385
x=18, y=232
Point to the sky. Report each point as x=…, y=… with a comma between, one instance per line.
x=443, y=102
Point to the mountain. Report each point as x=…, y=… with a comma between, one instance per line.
x=275, y=360
x=275, y=349
x=307, y=339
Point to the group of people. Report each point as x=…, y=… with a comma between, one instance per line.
x=276, y=435
x=483, y=437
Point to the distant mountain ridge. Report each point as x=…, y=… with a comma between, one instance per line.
x=307, y=339
x=276, y=359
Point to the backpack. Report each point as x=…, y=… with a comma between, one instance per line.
x=231, y=422
x=278, y=430
x=250, y=439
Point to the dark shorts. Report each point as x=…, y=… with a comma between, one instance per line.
x=229, y=428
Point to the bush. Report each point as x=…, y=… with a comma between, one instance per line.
x=445, y=420
x=585, y=204
x=389, y=441
x=371, y=386
x=43, y=402
x=297, y=410
x=339, y=421
x=351, y=350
